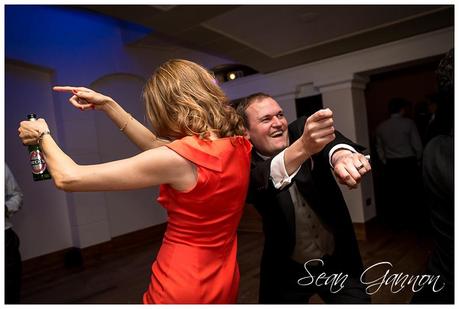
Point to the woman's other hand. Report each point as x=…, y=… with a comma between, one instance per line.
x=84, y=98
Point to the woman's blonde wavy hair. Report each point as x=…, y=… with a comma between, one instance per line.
x=183, y=99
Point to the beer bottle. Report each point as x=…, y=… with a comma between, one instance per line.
x=39, y=168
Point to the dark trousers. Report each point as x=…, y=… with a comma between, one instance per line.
x=285, y=285
x=13, y=268
x=405, y=205
x=427, y=296
x=441, y=264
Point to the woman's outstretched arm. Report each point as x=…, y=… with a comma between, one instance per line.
x=149, y=168
x=87, y=99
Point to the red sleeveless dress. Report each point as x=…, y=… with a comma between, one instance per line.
x=197, y=259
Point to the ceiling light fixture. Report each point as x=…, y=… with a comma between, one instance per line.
x=229, y=72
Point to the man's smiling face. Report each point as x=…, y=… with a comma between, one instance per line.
x=267, y=126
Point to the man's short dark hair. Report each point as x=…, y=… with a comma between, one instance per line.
x=244, y=103
x=397, y=104
x=445, y=74
x=444, y=116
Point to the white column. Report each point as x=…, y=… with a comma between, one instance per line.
x=346, y=99
x=287, y=103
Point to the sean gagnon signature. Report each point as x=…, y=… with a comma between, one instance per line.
x=396, y=281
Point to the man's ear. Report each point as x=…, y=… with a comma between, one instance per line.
x=247, y=134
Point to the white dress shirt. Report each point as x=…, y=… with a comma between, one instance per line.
x=397, y=138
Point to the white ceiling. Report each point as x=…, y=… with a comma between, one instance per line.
x=274, y=37
x=283, y=30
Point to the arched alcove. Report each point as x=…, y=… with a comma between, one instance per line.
x=131, y=210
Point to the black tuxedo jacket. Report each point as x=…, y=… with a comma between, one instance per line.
x=319, y=188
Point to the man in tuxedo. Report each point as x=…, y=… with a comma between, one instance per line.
x=307, y=227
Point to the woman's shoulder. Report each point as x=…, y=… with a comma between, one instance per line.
x=197, y=142
x=196, y=150
x=206, y=152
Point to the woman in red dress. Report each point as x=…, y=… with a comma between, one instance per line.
x=203, y=176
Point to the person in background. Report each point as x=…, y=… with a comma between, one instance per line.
x=306, y=222
x=203, y=173
x=399, y=148
x=13, y=264
x=438, y=179
x=397, y=138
